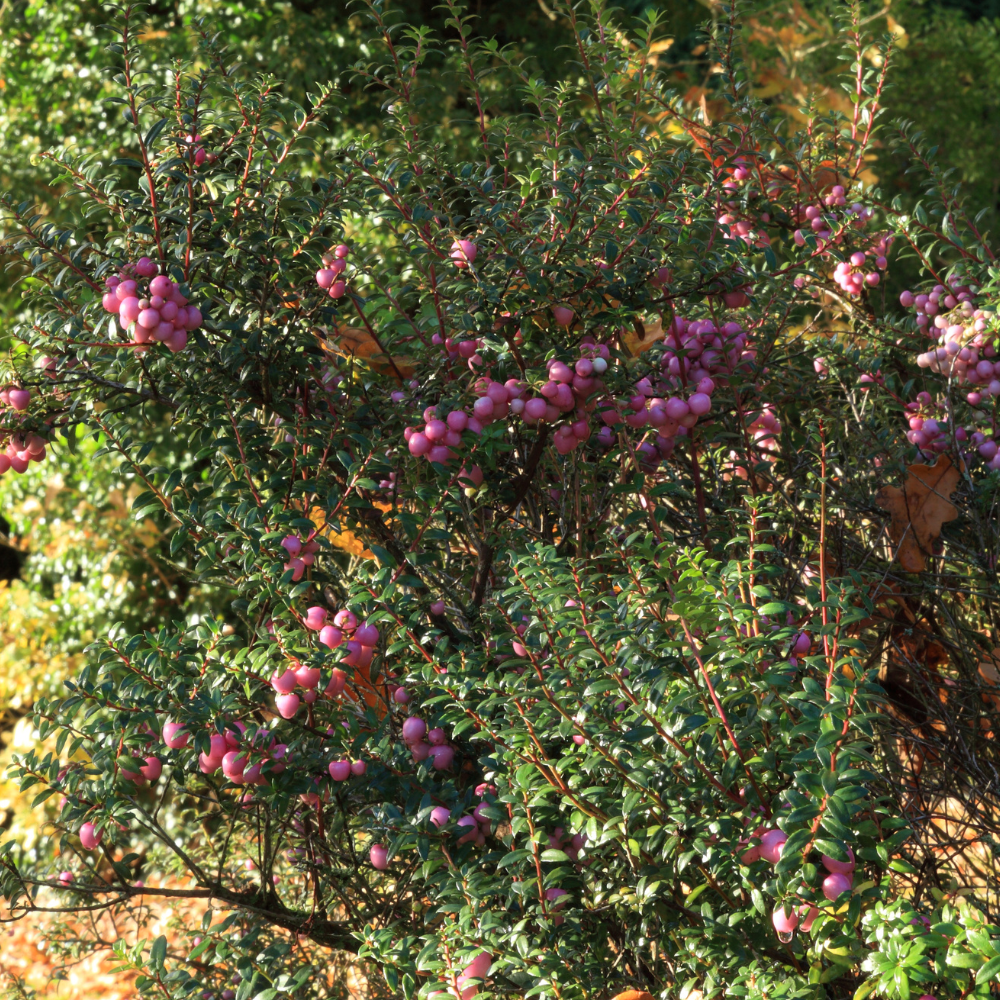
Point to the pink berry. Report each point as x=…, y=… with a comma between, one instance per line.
x=437, y=608
x=288, y=705
x=414, y=729
x=152, y=769
x=401, y=696
x=836, y=884
x=341, y=250
x=340, y=770
x=345, y=619
x=19, y=398
x=772, y=843
x=367, y=635
x=338, y=681
x=839, y=867
x=808, y=914
x=337, y=289
x=175, y=735
x=463, y=253
x=307, y=677
x=66, y=877
x=784, y=922
x=436, y=737
x=379, y=857
x=315, y=618
x=90, y=837
x=284, y=683
x=331, y=636
x=563, y=315
x=358, y=768
x=325, y=277
x=444, y=757
x=440, y=816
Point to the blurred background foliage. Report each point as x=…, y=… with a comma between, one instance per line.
x=88, y=562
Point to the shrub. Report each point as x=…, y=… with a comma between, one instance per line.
x=546, y=535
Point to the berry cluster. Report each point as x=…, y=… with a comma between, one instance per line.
x=328, y=276
x=150, y=306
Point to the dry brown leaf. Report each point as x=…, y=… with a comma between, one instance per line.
x=919, y=510
x=634, y=344
x=991, y=677
x=633, y=995
x=353, y=342
x=345, y=539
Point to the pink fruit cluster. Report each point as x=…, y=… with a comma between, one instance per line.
x=150, y=306
x=195, y=151
x=232, y=752
x=463, y=253
x=839, y=880
x=150, y=771
x=300, y=554
x=423, y=744
x=856, y=272
x=328, y=276
x=831, y=213
x=21, y=450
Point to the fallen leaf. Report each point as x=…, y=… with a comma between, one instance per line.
x=651, y=333
x=353, y=342
x=345, y=539
x=919, y=510
x=991, y=677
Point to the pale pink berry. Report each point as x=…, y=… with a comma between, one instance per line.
x=175, y=735
x=839, y=867
x=90, y=837
x=345, y=619
x=463, y=253
x=287, y=704
x=340, y=770
x=440, y=816
x=19, y=398
x=772, y=843
x=315, y=618
x=836, y=884
x=152, y=769
x=808, y=914
x=444, y=757
x=331, y=636
x=379, y=857
x=563, y=315
x=414, y=729
x=367, y=635
x=785, y=922
x=307, y=677
x=284, y=683
x=66, y=877
x=358, y=768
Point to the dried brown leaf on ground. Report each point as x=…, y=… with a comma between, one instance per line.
x=354, y=342
x=650, y=332
x=919, y=509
